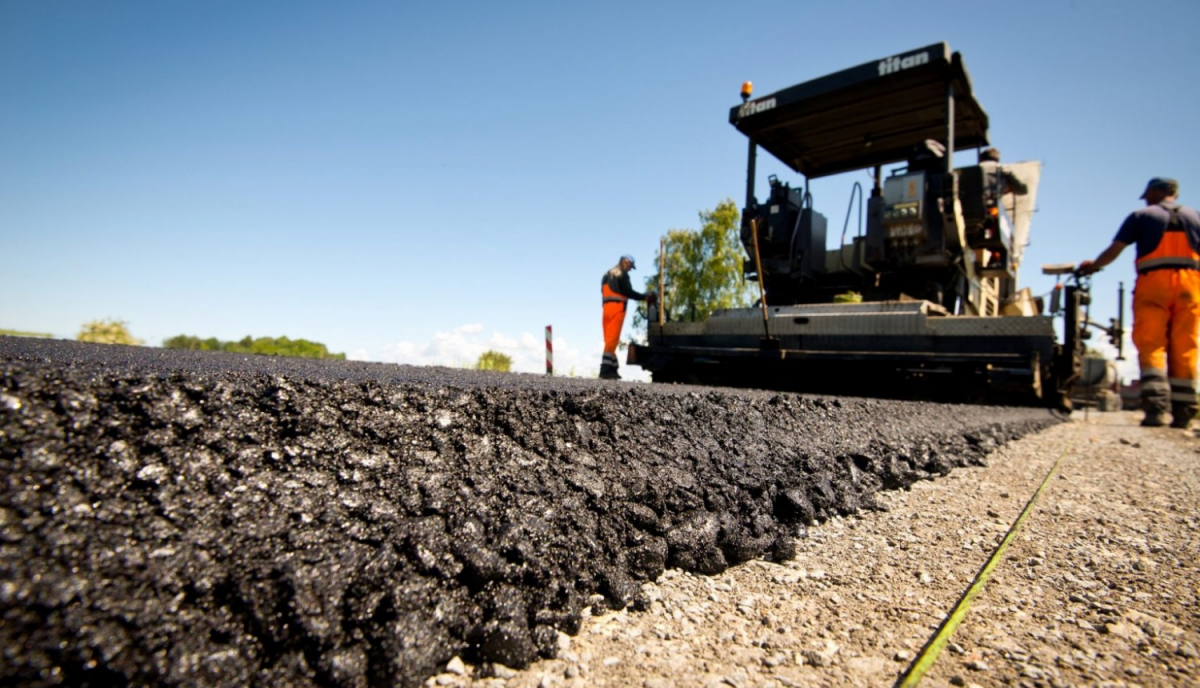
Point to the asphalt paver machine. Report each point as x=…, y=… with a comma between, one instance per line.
x=922, y=304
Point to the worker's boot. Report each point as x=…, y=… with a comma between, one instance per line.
x=1155, y=417
x=608, y=366
x=1156, y=400
x=1182, y=415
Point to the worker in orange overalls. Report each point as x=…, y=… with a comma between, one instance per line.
x=1166, y=300
x=616, y=292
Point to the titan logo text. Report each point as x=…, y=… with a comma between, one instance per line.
x=896, y=63
x=756, y=106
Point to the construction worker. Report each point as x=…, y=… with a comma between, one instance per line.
x=616, y=292
x=1166, y=300
x=998, y=180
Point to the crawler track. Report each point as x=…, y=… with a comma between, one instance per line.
x=212, y=519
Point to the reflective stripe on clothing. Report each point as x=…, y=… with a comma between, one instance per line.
x=1182, y=383
x=1174, y=249
x=1183, y=391
x=1156, y=393
x=1166, y=320
x=1185, y=397
x=616, y=283
x=1144, y=227
x=615, y=291
x=1150, y=264
x=1166, y=316
x=610, y=296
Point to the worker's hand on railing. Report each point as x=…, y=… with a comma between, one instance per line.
x=1086, y=268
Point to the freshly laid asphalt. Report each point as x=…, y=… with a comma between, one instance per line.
x=190, y=518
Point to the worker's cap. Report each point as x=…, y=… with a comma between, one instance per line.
x=1166, y=184
x=991, y=154
x=629, y=258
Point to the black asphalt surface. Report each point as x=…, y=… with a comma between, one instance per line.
x=188, y=518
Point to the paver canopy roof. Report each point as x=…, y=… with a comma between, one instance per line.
x=873, y=114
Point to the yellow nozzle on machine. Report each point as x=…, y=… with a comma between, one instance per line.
x=747, y=89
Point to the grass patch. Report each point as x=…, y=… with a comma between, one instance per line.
x=18, y=333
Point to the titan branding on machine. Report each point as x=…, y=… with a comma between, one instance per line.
x=756, y=106
x=897, y=63
x=935, y=242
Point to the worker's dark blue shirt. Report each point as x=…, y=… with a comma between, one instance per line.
x=618, y=280
x=1145, y=227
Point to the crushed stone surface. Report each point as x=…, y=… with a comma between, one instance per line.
x=190, y=518
x=1100, y=587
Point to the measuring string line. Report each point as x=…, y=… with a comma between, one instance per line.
x=929, y=654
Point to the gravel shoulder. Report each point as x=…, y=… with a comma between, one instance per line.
x=1100, y=586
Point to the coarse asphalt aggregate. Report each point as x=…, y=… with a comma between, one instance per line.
x=197, y=518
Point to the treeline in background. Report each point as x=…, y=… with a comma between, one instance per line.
x=112, y=331
x=265, y=346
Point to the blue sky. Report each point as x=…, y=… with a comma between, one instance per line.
x=419, y=182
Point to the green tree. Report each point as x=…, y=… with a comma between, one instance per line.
x=263, y=346
x=184, y=341
x=107, y=332
x=494, y=360
x=703, y=268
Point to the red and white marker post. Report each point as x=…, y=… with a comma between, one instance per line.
x=549, y=351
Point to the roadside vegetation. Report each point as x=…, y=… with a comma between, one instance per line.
x=107, y=332
x=703, y=269
x=494, y=360
x=19, y=333
x=265, y=346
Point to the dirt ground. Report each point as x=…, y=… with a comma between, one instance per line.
x=1099, y=587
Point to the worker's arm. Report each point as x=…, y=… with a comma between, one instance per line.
x=626, y=289
x=1110, y=254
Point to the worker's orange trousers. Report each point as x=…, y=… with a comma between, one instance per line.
x=1166, y=315
x=614, y=319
